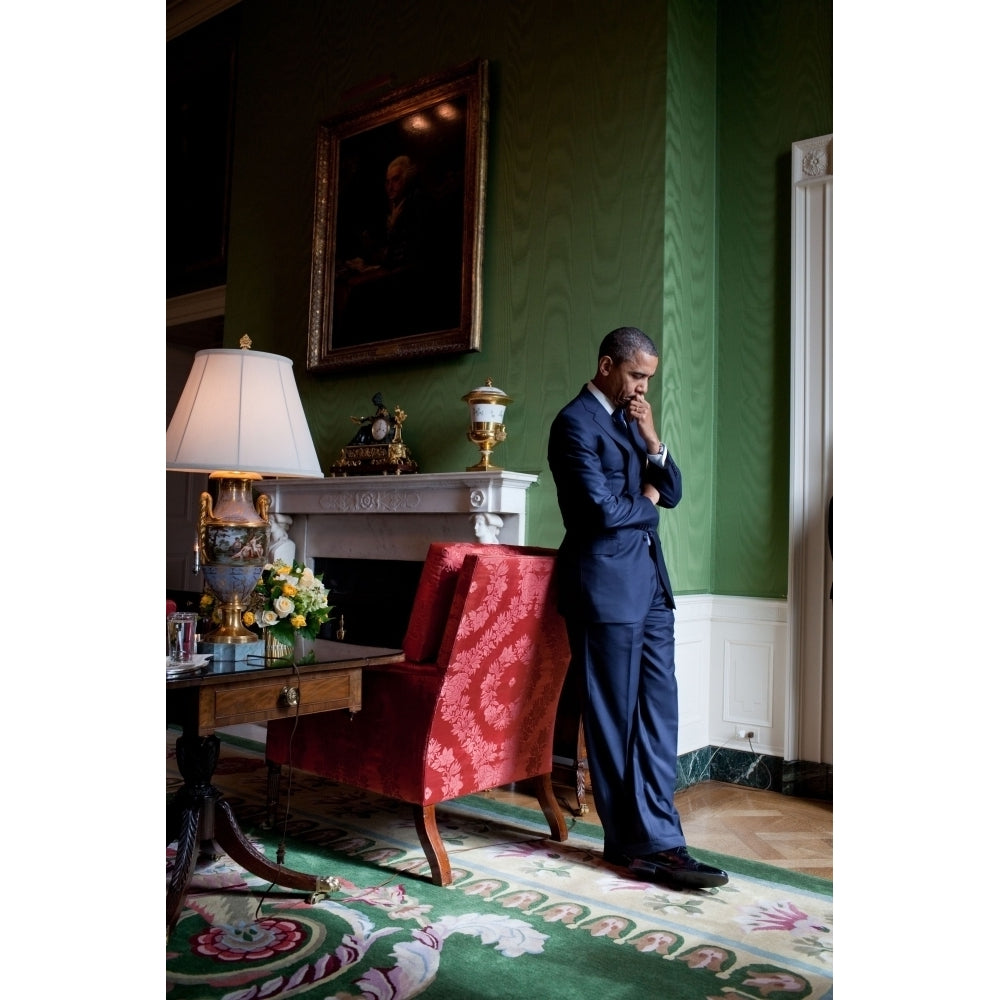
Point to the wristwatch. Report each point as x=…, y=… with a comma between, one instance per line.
x=662, y=451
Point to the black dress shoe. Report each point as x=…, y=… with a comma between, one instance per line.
x=677, y=869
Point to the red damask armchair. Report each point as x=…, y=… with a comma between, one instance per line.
x=471, y=708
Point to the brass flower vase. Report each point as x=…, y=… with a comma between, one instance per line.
x=276, y=652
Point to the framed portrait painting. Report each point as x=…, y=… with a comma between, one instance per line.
x=398, y=228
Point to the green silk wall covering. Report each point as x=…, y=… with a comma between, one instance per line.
x=688, y=360
x=775, y=87
x=604, y=206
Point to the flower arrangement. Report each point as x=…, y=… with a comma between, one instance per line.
x=289, y=601
x=292, y=602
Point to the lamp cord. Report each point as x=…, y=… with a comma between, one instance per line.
x=288, y=790
x=280, y=854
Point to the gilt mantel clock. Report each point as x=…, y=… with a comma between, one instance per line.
x=377, y=448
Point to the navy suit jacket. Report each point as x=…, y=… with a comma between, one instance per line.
x=598, y=470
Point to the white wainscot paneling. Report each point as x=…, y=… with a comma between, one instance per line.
x=749, y=673
x=747, y=683
x=692, y=659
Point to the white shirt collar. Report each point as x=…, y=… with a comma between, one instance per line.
x=601, y=398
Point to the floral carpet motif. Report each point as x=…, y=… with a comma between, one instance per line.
x=525, y=916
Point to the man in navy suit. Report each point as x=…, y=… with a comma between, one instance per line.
x=612, y=471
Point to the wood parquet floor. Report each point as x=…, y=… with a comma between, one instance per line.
x=780, y=830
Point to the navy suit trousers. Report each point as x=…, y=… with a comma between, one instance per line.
x=629, y=693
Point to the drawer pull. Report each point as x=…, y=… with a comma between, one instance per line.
x=289, y=697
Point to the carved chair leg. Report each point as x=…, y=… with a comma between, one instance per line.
x=581, y=788
x=582, y=770
x=425, y=819
x=550, y=807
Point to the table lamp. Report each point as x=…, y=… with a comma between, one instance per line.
x=239, y=418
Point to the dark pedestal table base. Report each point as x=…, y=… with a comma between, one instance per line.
x=203, y=824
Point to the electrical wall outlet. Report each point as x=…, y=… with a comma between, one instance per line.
x=745, y=734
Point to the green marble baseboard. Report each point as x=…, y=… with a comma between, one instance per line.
x=755, y=770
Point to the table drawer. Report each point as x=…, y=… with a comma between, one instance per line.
x=266, y=699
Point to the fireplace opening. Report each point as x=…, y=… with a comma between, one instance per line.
x=374, y=596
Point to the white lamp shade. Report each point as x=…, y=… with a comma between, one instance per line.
x=240, y=412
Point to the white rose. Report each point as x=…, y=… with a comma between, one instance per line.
x=284, y=606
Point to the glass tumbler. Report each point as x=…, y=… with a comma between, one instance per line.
x=181, y=629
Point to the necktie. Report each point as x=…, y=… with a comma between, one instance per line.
x=619, y=418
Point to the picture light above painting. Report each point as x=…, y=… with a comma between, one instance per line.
x=398, y=229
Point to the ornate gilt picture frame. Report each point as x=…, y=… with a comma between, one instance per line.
x=398, y=227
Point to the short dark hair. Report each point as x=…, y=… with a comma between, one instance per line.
x=625, y=343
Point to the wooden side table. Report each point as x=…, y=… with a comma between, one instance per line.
x=230, y=694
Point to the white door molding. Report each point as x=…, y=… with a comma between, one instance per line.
x=809, y=729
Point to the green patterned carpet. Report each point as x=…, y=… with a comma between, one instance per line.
x=525, y=917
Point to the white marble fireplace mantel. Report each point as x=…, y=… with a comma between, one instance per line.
x=397, y=517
